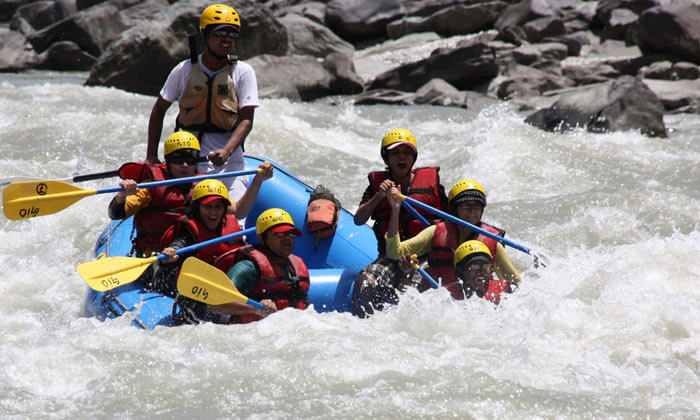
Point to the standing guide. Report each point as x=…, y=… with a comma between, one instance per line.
x=217, y=96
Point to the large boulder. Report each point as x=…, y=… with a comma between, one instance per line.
x=361, y=20
x=38, y=15
x=304, y=78
x=670, y=29
x=9, y=7
x=619, y=105
x=464, y=67
x=307, y=37
x=16, y=53
x=141, y=59
x=454, y=20
x=92, y=29
x=67, y=56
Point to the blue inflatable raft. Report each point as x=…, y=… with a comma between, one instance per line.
x=333, y=262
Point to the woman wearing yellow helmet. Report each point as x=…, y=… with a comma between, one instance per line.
x=217, y=97
x=156, y=208
x=472, y=264
x=467, y=200
x=399, y=151
x=268, y=271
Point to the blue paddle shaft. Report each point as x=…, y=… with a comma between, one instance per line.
x=428, y=277
x=180, y=180
x=208, y=242
x=255, y=304
x=466, y=224
x=415, y=213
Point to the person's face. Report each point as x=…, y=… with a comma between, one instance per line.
x=221, y=42
x=212, y=213
x=400, y=160
x=182, y=165
x=280, y=244
x=470, y=211
x=475, y=275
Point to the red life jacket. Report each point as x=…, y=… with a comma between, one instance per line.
x=167, y=205
x=441, y=257
x=423, y=188
x=200, y=233
x=496, y=287
x=286, y=290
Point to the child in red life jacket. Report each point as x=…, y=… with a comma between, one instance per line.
x=467, y=200
x=399, y=151
x=158, y=208
x=472, y=264
x=267, y=272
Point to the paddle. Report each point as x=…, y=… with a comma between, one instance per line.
x=78, y=178
x=457, y=220
x=107, y=273
x=415, y=213
x=205, y=283
x=424, y=273
x=23, y=200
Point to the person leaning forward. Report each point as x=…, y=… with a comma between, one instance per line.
x=399, y=150
x=221, y=128
x=267, y=272
x=467, y=200
x=157, y=208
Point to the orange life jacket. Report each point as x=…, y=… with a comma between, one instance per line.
x=209, y=104
x=424, y=188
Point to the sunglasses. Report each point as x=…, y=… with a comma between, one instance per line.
x=179, y=160
x=289, y=234
x=226, y=32
x=479, y=267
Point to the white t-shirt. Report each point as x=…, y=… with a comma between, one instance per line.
x=246, y=86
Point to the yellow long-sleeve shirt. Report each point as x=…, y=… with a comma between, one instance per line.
x=422, y=244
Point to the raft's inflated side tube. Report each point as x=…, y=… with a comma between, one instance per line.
x=351, y=247
x=333, y=265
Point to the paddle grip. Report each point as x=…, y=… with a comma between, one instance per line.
x=99, y=175
x=466, y=224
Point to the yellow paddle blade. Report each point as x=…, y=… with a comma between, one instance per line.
x=22, y=200
x=206, y=283
x=107, y=273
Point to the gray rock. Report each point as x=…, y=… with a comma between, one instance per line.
x=302, y=78
x=306, y=37
x=619, y=105
x=16, y=53
x=361, y=20
x=517, y=81
x=454, y=20
x=67, y=56
x=463, y=67
x=439, y=92
x=670, y=29
x=92, y=29
x=679, y=96
x=38, y=15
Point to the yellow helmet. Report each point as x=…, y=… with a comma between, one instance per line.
x=217, y=14
x=180, y=140
x=397, y=137
x=276, y=219
x=470, y=248
x=466, y=189
x=210, y=190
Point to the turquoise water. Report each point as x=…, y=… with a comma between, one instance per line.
x=608, y=330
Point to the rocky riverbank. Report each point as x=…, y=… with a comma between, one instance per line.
x=606, y=65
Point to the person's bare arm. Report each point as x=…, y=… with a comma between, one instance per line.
x=243, y=128
x=155, y=128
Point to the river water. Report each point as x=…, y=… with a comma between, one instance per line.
x=609, y=329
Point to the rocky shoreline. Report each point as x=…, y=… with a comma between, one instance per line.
x=605, y=65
